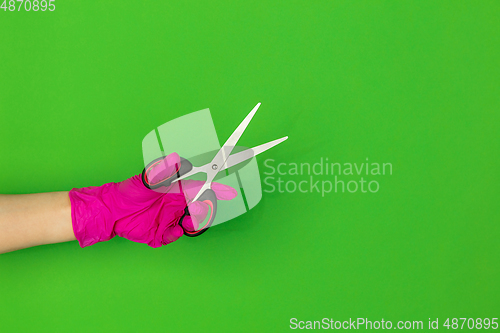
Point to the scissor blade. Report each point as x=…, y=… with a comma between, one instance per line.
x=251, y=152
x=227, y=148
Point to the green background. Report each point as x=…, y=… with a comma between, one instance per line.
x=412, y=83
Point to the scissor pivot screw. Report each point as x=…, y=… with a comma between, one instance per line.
x=214, y=167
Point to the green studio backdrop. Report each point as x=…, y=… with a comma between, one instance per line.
x=412, y=83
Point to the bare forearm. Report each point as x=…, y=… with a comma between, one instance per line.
x=34, y=219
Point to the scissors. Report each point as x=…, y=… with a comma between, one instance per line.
x=221, y=161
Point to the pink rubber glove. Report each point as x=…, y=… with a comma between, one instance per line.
x=130, y=210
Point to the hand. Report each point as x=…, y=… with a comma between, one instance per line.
x=130, y=210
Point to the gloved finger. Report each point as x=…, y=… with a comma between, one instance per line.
x=198, y=211
x=198, y=208
x=164, y=169
x=222, y=192
x=188, y=224
x=172, y=234
x=191, y=187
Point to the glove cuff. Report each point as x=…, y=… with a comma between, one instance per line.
x=92, y=221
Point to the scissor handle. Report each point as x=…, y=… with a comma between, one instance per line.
x=184, y=167
x=209, y=198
